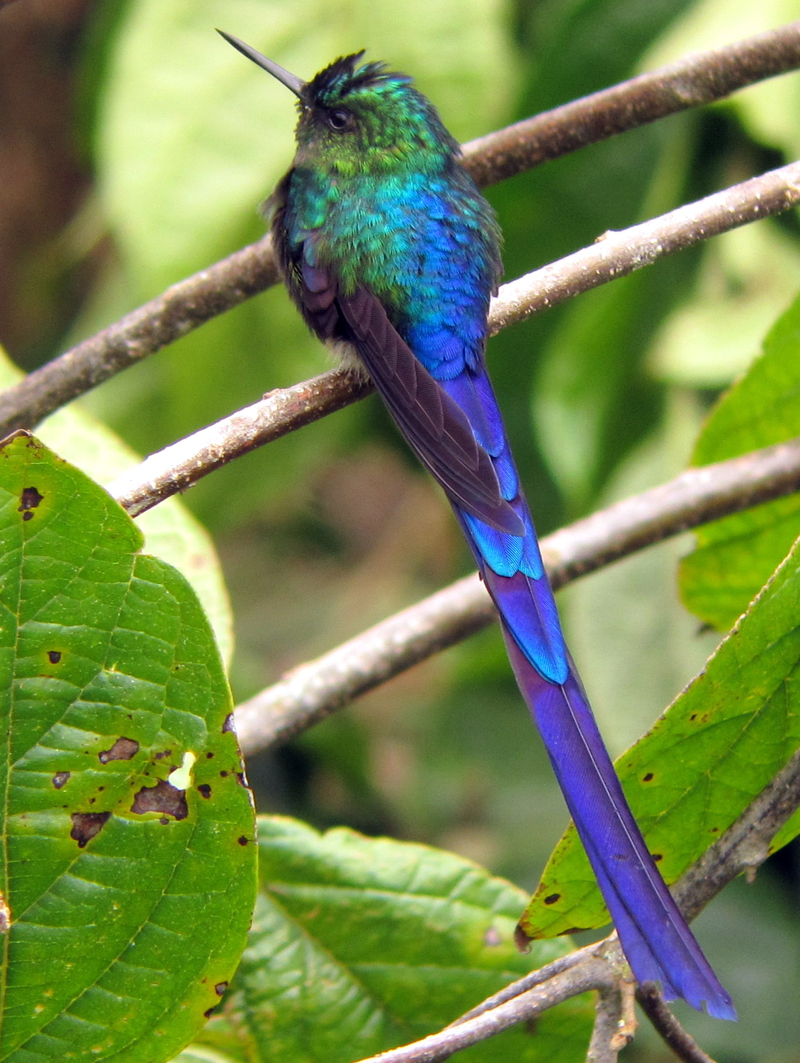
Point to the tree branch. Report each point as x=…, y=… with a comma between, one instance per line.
x=181, y=465
x=698, y=79
x=601, y=966
x=180, y=309
x=690, y=82
x=614, y=1023
x=314, y=690
x=682, y=1044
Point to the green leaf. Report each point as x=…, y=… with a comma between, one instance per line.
x=128, y=862
x=359, y=944
x=747, y=279
x=717, y=746
x=736, y=555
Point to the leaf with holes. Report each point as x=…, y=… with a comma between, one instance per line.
x=715, y=749
x=128, y=856
x=359, y=944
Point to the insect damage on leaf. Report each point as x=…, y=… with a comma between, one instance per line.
x=181, y=778
x=28, y=501
x=123, y=749
x=85, y=825
x=161, y=798
x=5, y=915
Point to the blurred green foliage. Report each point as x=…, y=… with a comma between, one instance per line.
x=334, y=528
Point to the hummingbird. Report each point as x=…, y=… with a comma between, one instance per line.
x=391, y=254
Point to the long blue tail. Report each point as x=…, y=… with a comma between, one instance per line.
x=449, y=415
x=656, y=940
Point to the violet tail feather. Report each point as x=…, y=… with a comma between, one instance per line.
x=655, y=938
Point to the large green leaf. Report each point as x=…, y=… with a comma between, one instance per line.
x=709, y=755
x=359, y=944
x=735, y=556
x=128, y=860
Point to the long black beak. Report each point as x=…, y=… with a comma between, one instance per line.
x=291, y=81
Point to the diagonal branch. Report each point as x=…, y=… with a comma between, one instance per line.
x=682, y=1044
x=690, y=82
x=314, y=690
x=180, y=466
x=698, y=79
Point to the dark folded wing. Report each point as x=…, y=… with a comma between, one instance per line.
x=434, y=425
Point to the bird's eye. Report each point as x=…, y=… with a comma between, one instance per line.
x=339, y=119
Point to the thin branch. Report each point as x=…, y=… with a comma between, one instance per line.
x=696, y=80
x=181, y=465
x=745, y=846
x=314, y=690
x=616, y=254
x=601, y=966
x=593, y=972
x=682, y=1043
x=533, y=978
x=690, y=82
x=178, y=467
x=614, y=1024
x=180, y=309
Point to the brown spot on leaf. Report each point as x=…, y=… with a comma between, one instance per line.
x=61, y=778
x=54, y=656
x=648, y=777
x=658, y=856
x=86, y=824
x=552, y=898
x=161, y=798
x=223, y=775
x=123, y=749
x=229, y=727
x=241, y=780
x=209, y=756
x=521, y=939
x=209, y=1012
x=29, y=500
x=164, y=753
x=242, y=840
x=220, y=988
x=204, y=790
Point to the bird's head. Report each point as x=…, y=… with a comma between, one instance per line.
x=361, y=118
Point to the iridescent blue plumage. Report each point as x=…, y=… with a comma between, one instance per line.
x=386, y=244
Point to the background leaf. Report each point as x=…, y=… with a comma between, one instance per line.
x=129, y=858
x=735, y=556
x=359, y=944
